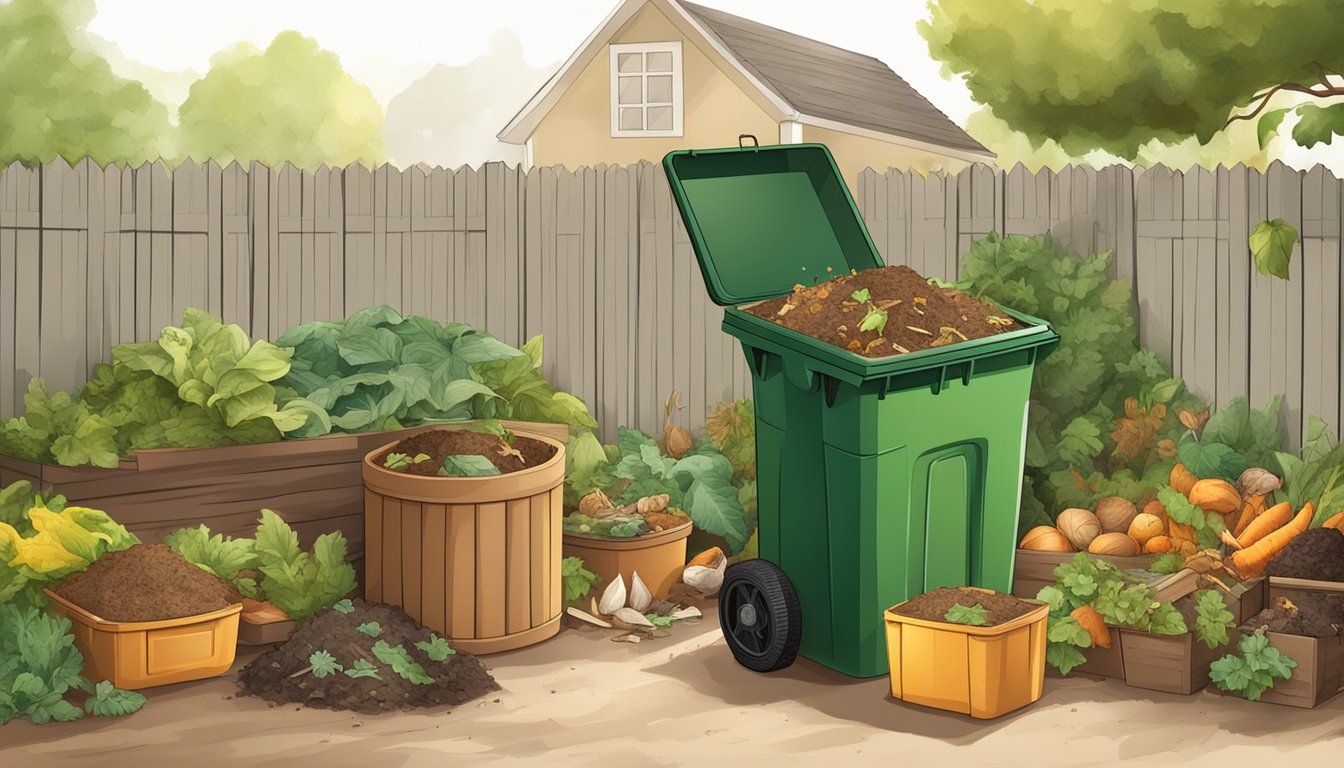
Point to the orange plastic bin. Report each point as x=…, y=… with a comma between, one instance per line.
x=143, y=654
x=983, y=672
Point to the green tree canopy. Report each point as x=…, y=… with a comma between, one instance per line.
x=1116, y=74
x=292, y=102
x=57, y=97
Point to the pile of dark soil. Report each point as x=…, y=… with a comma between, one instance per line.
x=1315, y=554
x=438, y=444
x=283, y=675
x=1309, y=615
x=933, y=606
x=919, y=315
x=147, y=582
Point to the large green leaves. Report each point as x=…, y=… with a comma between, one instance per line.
x=301, y=583
x=1318, y=124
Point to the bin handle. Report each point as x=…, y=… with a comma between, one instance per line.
x=742, y=144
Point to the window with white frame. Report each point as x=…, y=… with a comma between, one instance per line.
x=646, y=89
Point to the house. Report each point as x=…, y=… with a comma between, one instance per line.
x=660, y=75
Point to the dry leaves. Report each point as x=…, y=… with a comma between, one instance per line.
x=1134, y=432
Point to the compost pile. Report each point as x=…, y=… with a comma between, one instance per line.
x=368, y=658
x=1314, y=554
x=1310, y=614
x=933, y=606
x=147, y=582
x=424, y=453
x=885, y=311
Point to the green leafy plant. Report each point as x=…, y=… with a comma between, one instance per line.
x=1213, y=620
x=588, y=467
x=436, y=648
x=612, y=527
x=363, y=668
x=1085, y=580
x=874, y=319
x=700, y=483
x=223, y=556
x=732, y=430
x=321, y=664
x=525, y=394
x=400, y=462
x=399, y=659
x=578, y=580
x=57, y=428
x=370, y=628
x=1079, y=392
x=107, y=700
x=1316, y=474
x=343, y=606
x=973, y=615
x=467, y=466
x=39, y=665
x=297, y=582
x=1170, y=562
x=1254, y=669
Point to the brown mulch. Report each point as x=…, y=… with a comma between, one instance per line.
x=828, y=312
x=147, y=582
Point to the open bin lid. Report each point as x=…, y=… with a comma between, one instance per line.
x=762, y=219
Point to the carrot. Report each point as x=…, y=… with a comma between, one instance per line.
x=1336, y=522
x=1274, y=518
x=1251, y=561
x=1254, y=507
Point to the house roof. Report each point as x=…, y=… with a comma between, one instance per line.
x=793, y=77
x=824, y=81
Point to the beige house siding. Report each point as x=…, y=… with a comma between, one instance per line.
x=855, y=153
x=577, y=131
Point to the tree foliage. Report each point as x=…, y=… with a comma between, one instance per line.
x=292, y=102
x=1116, y=74
x=58, y=98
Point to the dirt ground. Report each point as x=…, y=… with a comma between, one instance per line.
x=583, y=700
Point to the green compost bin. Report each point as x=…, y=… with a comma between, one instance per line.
x=878, y=479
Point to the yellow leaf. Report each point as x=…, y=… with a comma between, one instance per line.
x=47, y=557
x=64, y=532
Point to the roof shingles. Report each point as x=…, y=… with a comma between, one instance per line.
x=827, y=82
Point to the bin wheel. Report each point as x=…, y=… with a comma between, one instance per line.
x=760, y=615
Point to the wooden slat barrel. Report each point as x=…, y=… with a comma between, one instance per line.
x=475, y=559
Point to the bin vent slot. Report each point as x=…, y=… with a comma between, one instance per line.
x=952, y=500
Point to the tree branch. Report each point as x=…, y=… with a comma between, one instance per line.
x=1264, y=97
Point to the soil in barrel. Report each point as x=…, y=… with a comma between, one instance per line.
x=438, y=444
x=918, y=315
x=147, y=582
x=355, y=640
x=933, y=606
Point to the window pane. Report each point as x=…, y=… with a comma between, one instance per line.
x=632, y=119
x=629, y=62
x=631, y=90
x=660, y=118
x=660, y=61
x=660, y=89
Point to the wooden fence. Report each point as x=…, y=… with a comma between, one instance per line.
x=597, y=261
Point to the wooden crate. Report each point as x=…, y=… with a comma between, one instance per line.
x=1280, y=586
x=1170, y=663
x=1033, y=570
x=476, y=559
x=313, y=484
x=1319, y=674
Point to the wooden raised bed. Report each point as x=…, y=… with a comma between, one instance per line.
x=1170, y=663
x=313, y=484
x=1319, y=674
x=1280, y=586
x=476, y=559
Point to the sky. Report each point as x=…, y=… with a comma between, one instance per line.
x=389, y=44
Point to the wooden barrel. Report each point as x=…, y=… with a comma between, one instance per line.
x=475, y=559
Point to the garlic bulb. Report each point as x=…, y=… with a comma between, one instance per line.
x=640, y=597
x=613, y=597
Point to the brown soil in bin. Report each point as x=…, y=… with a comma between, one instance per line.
x=441, y=443
x=933, y=606
x=827, y=311
x=272, y=677
x=1315, y=554
x=147, y=582
x=1309, y=614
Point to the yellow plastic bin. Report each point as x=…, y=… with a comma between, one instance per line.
x=144, y=654
x=983, y=672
